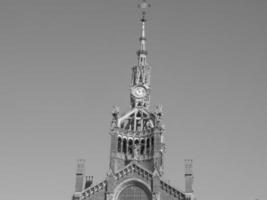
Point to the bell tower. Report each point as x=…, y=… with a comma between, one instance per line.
x=137, y=148
x=137, y=136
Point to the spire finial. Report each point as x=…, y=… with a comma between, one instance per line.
x=144, y=6
x=140, y=83
x=142, y=52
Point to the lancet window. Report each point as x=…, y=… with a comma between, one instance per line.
x=147, y=146
x=119, y=144
x=142, y=147
x=124, y=145
x=130, y=146
x=152, y=144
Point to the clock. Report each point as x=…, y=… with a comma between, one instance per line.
x=139, y=92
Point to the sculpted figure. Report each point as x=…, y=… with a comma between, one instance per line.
x=115, y=112
x=115, y=116
x=159, y=115
x=158, y=112
x=136, y=151
x=149, y=125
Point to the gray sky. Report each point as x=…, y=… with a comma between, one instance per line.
x=64, y=63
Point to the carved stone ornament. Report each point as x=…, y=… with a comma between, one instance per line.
x=110, y=172
x=149, y=125
x=115, y=116
x=109, y=196
x=115, y=112
x=155, y=196
x=158, y=112
x=136, y=151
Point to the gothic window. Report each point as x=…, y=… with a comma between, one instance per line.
x=142, y=146
x=127, y=122
x=124, y=145
x=133, y=193
x=147, y=146
x=119, y=144
x=152, y=144
x=130, y=146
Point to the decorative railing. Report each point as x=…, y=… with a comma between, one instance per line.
x=172, y=191
x=141, y=133
x=92, y=190
x=146, y=175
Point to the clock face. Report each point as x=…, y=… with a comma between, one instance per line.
x=139, y=92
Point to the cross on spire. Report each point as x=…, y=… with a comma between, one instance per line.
x=144, y=6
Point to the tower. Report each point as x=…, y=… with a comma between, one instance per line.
x=189, y=179
x=137, y=135
x=80, y=172
x=136, y=146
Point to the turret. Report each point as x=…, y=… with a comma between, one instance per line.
x=80, y=176
x=137, y=135
x=189, y=179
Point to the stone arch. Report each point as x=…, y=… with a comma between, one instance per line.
x=133, y=182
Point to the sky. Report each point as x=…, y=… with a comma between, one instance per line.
x=65, y=63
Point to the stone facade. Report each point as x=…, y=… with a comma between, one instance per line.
x=137, y=147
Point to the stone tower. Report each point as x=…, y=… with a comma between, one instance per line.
x=137, y=145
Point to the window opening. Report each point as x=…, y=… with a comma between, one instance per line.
x=124, y=145
x=119, y=144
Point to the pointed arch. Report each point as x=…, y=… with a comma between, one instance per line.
x=119, y=144
x=142, y=147
x=124, y=145
x=130, y=146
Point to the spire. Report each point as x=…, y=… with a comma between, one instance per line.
x=142, y=52
x=140, y=83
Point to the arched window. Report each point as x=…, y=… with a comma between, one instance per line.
x=142, y=146
x=119, y=144
x=152, y=144
x=124, y=145
x=148, y=146
x=134, y=192
x=130, y=146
